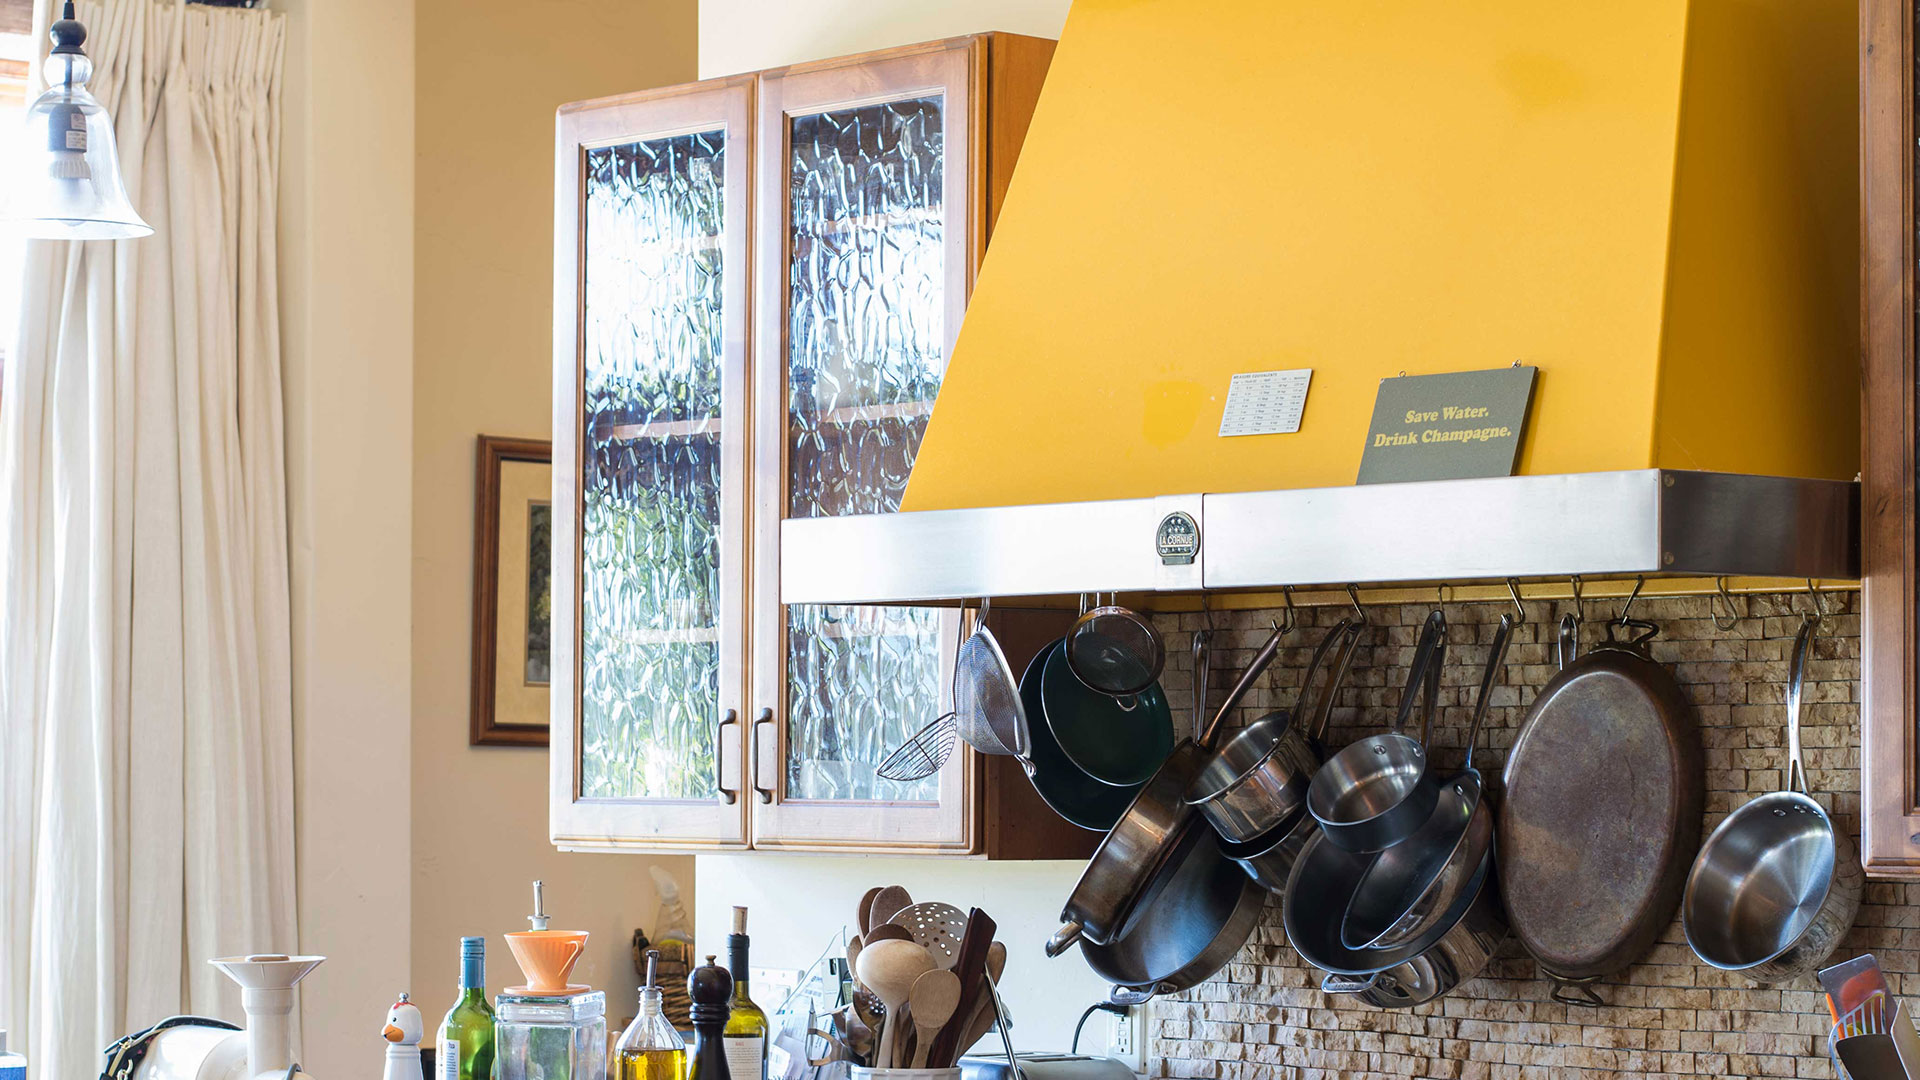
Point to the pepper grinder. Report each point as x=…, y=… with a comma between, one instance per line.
x=711, y=989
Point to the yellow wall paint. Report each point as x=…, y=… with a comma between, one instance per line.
x=1214, y=186
x=1760, y=358
x=490, y=74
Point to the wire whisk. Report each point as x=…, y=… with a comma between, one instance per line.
x=922, y=755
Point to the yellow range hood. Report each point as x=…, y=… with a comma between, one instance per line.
x=1653, y=201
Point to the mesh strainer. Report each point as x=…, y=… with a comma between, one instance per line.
x=1115, y=650
x=988, y=714
x=920, y=756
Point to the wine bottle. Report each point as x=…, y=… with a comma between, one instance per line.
x=650, y=1049
x=746, y=1033
x=710, y=987
x=463, y=1050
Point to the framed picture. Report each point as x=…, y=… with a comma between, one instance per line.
x=512, y=591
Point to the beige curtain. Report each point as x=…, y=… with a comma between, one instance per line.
x=146, y=786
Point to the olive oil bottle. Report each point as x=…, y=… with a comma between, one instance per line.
x=650, y=1049
x=746, y=1032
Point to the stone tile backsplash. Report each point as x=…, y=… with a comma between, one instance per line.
x=1669, y=1015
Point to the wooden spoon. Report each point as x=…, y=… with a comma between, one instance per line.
x=866, y=908
x=890, y=901
x=888, y=932
x=889, y=969
x=854, y=945
x=935, y=996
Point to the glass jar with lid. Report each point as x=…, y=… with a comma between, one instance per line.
x=550, y=1036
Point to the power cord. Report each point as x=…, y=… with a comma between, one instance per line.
x=1098, y=1006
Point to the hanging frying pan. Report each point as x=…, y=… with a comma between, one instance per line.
x=1601, y=816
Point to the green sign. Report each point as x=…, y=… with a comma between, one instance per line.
x=1449, y=426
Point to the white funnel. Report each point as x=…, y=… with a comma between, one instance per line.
x=266, y=992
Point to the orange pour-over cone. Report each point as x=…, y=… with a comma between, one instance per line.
x=546, y=957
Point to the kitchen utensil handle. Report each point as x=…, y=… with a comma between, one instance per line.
x=753, y=737
x=727, y=795
x=1063, y=939
x=1000, y=1022
x=1424, y=676
x=1496, y=660
x=1577, y=992
x=1248, y=677
x=1569, y=642
x=1131, y=996
x=1796, y=686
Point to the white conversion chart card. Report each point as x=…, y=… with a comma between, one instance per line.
x=1265, y=402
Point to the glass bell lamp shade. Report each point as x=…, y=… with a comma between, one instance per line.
x=70, y=188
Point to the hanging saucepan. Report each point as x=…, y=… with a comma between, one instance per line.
x=1119, y=741
x=1776, y=886
x=1454, y=949
x=1115, y=650
x=1072, y=794
x=988, y=713
x=1198, y=923
x=1377, y=791
x=1601, y=812
x=1130, y=866
x=1258, y=779
x=1401, y=895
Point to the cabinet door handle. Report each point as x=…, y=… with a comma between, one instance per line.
x=727, y=795
x=765, y=717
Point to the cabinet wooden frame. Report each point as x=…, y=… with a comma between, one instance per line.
x=574, y=822
x=1890, y=591
x=986, y=806
x=947, y=69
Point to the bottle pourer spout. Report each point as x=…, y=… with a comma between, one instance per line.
x=539, y=918
x=653, y=959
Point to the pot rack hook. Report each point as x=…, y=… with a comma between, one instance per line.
x=1353, y=595
x=1819, y=600
x=1713, y=606
x=1638, y=582
x=1293, y=618
x=1513, y=590
x=1573, y=583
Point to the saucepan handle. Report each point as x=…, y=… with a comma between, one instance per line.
x=1063, y=939
x=1577, y=992
x=1796, y=685
x=1130, y=996
x=1347, y=984
x=1428, y=657
x=1569, y=639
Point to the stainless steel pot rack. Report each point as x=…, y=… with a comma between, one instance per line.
x=1683, y=532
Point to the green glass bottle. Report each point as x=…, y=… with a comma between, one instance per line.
x=464, y=1048
x=746, y=1033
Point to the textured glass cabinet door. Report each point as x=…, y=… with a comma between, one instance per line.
x=865, y=206
x=650, y=422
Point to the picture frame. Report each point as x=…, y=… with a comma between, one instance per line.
x=512, y=592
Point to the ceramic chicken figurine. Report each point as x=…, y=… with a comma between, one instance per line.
x=403, y=1033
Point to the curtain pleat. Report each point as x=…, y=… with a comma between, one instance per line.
x=146, y=775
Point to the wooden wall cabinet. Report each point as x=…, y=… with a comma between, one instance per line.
x=757, y=282
x=1890, y=751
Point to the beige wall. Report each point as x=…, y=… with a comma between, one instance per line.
x=799, y=902
x=489, y=74
x=346, y=295
x=745, y=35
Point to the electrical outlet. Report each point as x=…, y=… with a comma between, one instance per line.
x=1125, y=1035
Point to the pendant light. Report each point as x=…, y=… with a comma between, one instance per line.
x=71, y=187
